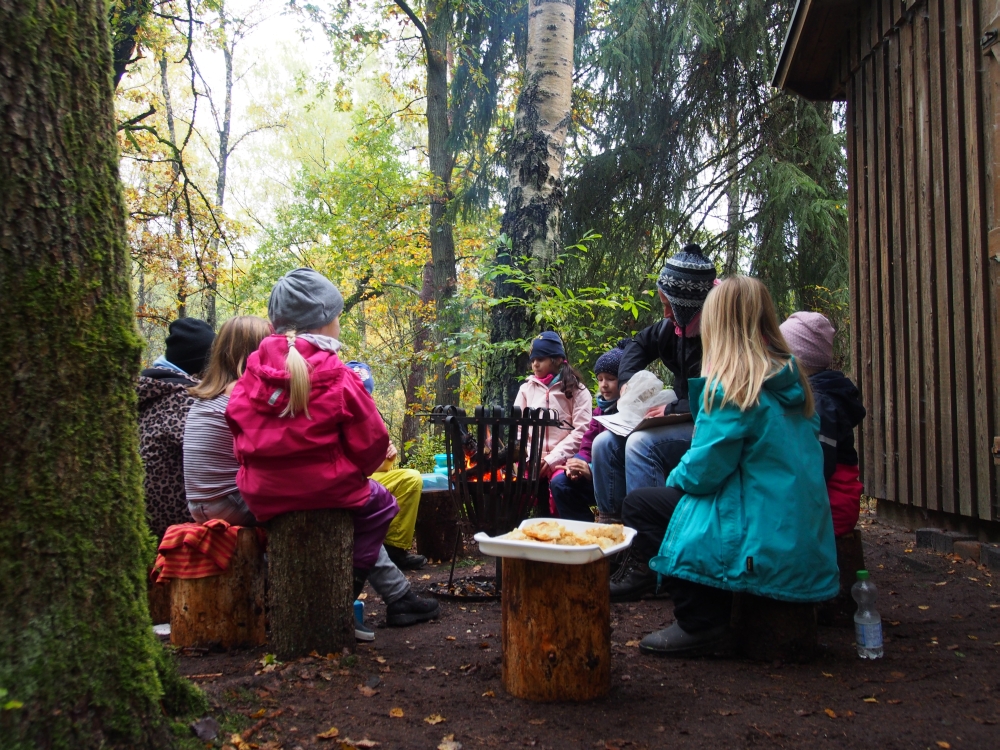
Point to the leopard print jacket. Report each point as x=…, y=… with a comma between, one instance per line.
x=163, y=408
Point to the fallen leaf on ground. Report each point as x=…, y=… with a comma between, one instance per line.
x=942, y=744
x=631, y=643
x=450, y=638
x=362, y=597
x=725, y=712
x=536, y=722
x=258, y=714
x=489, y=694
x=380, y=659
x=973, y=637
x=923, y=606
x=365, y=743
x=894, y=623
x=941, y=583
x=826, y=674
x=872, y=699
x=329, y=734
x=434, y=719
x=425, y=578
x=953, y=647
x=995, y=606
x=396, y=713
x=448, y=743
x=802, y=712
x=895, y=702
x=428, y=669
x=367, y=691
x=830, y=712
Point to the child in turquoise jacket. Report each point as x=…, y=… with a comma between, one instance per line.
x=746, y=509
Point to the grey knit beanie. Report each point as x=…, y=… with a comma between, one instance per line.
x=303, y=300
x=809, y=335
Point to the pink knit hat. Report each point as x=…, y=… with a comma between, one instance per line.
x=810, y=337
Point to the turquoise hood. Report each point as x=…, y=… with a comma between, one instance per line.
x=755, y=516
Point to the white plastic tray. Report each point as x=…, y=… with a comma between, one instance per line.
x=553, y=553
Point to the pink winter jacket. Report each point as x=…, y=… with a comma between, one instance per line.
x=560, y=442
x=294, y=463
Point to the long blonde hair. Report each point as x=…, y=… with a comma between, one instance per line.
x=742, y=344
x=298, y=373
x=238, y=338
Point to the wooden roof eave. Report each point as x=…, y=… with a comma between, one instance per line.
x=809, y=63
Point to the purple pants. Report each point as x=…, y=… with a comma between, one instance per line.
x=371, y=522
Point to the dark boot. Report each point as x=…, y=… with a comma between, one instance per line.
x=675, y=641
x=632, y=581
x=404, y=559
x=411, y=609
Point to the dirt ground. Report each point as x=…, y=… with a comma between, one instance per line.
x=438, y=684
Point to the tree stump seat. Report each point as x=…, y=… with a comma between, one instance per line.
x=223, y=611
x=556, y=630
x=311, y=582
x=771, y=630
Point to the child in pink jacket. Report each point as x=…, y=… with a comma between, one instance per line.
x=554, y=384
x=306, y=433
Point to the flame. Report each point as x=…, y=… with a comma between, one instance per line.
x=488, y=476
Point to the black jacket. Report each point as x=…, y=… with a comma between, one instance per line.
x=659, y=341
x=838, y=403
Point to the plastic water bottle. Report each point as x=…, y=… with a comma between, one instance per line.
x=359, y=612
x=867, y=623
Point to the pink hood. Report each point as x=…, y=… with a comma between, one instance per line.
x=295, y=463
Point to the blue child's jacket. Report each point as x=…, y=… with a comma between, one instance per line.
x=755, y=516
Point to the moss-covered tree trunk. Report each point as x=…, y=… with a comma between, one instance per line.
x=535, y=186
x=76, y=647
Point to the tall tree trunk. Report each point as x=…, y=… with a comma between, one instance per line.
x=442, y=163
x=535, y=187
x=76, y=646
x=733, y=198
x=181, y=293
x=418, y=373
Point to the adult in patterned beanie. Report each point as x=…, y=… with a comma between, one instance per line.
x=685, y=280
x=622, y=465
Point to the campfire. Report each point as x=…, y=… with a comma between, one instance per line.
x=493, y=465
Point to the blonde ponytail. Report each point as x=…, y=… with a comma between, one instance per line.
x=298, y=370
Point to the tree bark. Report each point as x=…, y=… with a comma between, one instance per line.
x=535, y=186
x=556, y=630
x=442, y=164
x=418, y=372
x=223, y=611
x=76, y=646
x=311, y=582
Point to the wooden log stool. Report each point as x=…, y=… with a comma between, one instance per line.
x=556, y=630
x=226, y=610
x=311, y=580
x=769, y=630
x=437, y=530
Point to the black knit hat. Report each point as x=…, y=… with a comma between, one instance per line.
x=686, y=280
x=609, y=361
x=547, y=344
x=189, y=343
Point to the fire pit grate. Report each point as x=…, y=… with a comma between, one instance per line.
x=493, y=465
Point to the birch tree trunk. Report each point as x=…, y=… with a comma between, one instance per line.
x=535, y=187
x=76, y=646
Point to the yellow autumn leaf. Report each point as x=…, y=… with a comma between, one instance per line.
x=489, y=694
x=873, y=699
x=923, y=606
x=329, y=734
x=434, y=719
x=826, y=674
x=396, y=713
x=830, y=712
x=942, y=744
x=631, y=643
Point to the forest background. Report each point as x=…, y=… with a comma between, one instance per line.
x=373, y=141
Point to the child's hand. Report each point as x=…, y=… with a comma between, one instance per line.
x=656, y=411
x=545, y=471
x=577, y=469
x=390, y=455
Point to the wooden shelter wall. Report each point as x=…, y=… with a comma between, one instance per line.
x=923, y=198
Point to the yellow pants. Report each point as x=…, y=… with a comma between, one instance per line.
x=405, y=485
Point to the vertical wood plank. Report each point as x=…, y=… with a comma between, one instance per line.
x=875, y=448
x=984, y=373
x=862, y=318
x=958, y=253
x=915, y=319
x=925, y=212
x=853, y=220
x=900, y=462
x=942, y=261
x=882, y=293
